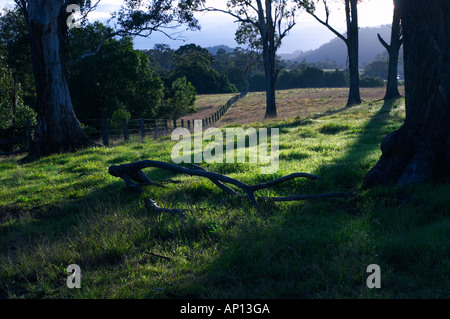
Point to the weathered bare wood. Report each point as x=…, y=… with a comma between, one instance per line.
x=172, y=212
x=312, y=196
x=158, y=255
x=133, y=172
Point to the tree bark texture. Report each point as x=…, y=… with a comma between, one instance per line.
x=420, y=149
x=267, y=31
x=58, y=129
x=351, y=7
x=393, y=51
x=270, y=76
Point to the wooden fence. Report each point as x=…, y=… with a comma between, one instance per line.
x=21, y=135
x=106, y=130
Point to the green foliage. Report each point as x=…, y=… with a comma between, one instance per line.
x=369, y=81
x=10, y=113
x=377, y=69
x=196, y=64
x=121, y=114
x=306, y=76
x=144, y=17
x=180, y=99
x=116, y=73
x=16, y=53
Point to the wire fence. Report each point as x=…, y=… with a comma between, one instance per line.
x=109, y=132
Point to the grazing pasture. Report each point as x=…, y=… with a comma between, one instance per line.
x=66, y=209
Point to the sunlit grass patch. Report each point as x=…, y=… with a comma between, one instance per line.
x=67, y=209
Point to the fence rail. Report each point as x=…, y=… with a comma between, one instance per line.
x=106, y=130
x=14, y=139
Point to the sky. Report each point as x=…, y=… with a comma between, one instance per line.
x=219, y=28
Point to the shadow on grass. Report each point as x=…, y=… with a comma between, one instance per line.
x=314, y=249
x=46, y=239
x=349, y=170
x=295, y=250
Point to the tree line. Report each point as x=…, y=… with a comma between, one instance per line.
x=120, y=82
x=415, y=152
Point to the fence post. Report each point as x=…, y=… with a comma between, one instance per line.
x=182, y=123
x=166, y=127
x=28, y=132
x=189, y=124
x=126, y=136
x=174, y=124
x=105, y=133
x=155, y=130
x=142, y=128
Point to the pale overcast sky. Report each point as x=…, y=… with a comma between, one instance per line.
x=218, y=28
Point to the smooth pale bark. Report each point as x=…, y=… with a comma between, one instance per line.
x=58, y=129
x=420, y=149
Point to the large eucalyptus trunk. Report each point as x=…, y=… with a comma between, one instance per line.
x=420, y=149
x=58, y=129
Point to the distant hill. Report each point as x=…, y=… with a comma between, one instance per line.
x=335, y=50
x=213, y=50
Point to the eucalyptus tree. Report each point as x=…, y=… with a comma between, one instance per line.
x=420, y=149
x=351, y=40
x=393, y=50
x=48, y=24
x=262, y=26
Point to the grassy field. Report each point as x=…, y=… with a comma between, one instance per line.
x=66, y=209
x=207, y=105
x=295, y=103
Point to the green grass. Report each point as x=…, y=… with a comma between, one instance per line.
x=67, y=209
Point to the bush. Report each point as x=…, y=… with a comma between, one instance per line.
x=371, y=82
x=180, y=99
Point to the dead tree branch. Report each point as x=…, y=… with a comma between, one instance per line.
x=158, y=255
x=133, y=172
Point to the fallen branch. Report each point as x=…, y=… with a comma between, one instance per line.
x=304, y=197
x=133, y=172
x=172, y=212
x=157, y=255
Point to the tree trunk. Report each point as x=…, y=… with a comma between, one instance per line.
x=14, y=103
x=58, y=129
x=269, y=51
x=354, y=96
x=393, y=51
x=270, y=76
x=420, y=149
